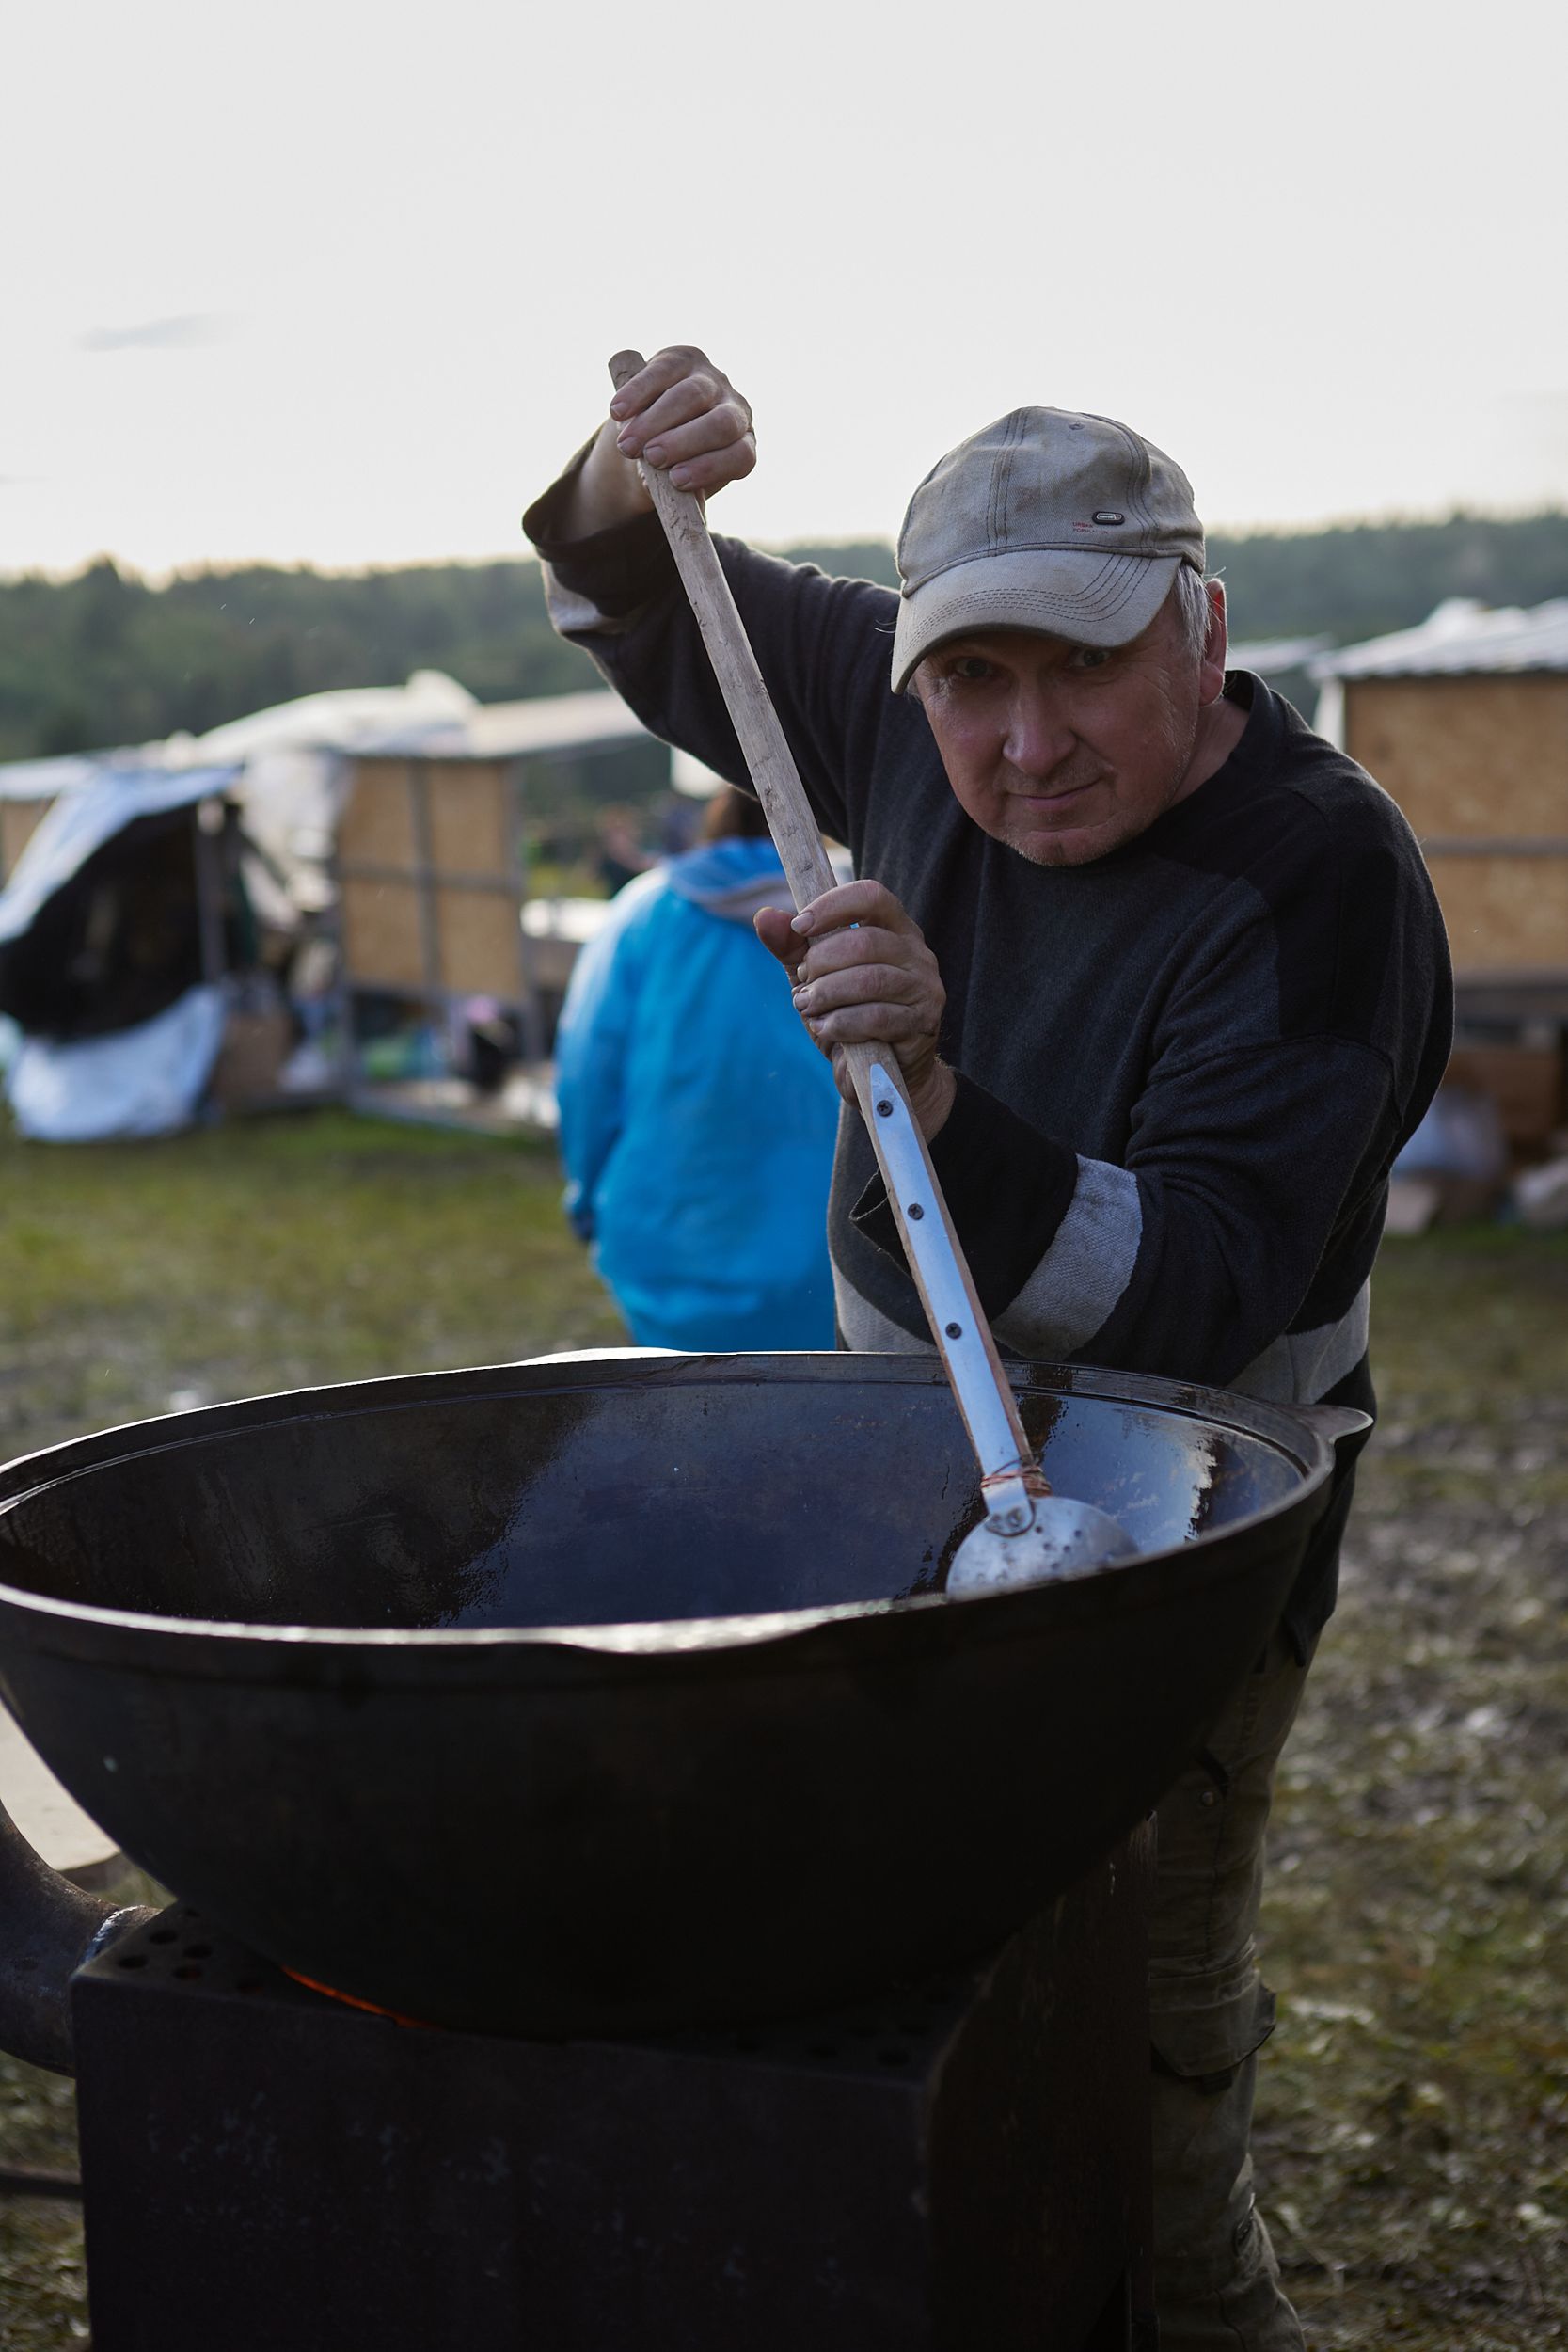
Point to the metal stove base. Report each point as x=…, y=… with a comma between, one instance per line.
x=960, y=2168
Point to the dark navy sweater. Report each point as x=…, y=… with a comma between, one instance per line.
x=1183, y=1070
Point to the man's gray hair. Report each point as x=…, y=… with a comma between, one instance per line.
x=1190, y=595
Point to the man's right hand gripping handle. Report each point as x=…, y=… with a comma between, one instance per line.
x=680, y=413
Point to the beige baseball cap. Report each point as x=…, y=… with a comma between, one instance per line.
x=1073, y=525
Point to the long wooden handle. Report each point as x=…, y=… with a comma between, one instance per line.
x=756, y=722
x=783, y=795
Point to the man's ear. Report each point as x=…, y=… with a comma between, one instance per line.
x=1216, y=645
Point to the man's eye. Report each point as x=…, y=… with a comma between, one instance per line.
x=970, y=666
x=1091, y=658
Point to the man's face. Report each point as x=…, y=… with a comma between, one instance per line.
x=1064, y=752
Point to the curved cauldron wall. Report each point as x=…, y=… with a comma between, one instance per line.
x=608, y=1697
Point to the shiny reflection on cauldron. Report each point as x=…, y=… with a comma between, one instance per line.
x=560, y=1505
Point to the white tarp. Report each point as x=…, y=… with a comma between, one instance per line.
x=41, y=779
x=284, y=764
x=82, y=822
x=146, y=1081
x=1461, y=639
x=340, y=721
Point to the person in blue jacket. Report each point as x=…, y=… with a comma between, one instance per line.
x=697, y=1117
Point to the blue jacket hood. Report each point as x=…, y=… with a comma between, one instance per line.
x=730, y=879
x=697, y=1117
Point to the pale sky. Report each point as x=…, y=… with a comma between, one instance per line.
x=333, y=283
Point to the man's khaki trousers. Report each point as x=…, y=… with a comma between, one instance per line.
x=1216, y=2279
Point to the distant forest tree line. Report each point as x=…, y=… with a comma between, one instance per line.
x=104, y=657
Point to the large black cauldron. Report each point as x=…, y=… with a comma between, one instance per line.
x=612, y=1695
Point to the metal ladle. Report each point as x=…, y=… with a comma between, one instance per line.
x=1028, y=1534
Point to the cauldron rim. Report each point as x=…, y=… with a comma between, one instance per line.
x=200, y=1644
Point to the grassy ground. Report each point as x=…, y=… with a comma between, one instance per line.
x=268, y=1255
x=1414, y=2146
x=1414, y=2125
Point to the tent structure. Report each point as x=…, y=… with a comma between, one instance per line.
x=124, y=931
x=136, y=882
x=400, y=823
x=285, y=765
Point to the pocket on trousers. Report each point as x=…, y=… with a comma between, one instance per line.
x=1205, y=2042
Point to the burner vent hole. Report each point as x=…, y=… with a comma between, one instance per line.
x=132, y=1960
x=187, y=1970
x=164, y=1935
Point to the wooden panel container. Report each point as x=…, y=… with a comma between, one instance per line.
x=1504, y=915
x=382, y=933
x=1477, y=755
x=377, y=824
x=430, y=889
x=481, y=941
x=472, y=825
x=1480, y=766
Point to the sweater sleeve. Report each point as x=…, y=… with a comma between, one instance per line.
x=1196, y=1253
x=823, y=645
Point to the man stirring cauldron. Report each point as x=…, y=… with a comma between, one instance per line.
x=1169, y=987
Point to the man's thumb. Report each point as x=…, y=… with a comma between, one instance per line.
x=772, y=926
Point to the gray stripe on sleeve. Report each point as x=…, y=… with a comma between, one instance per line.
x=573, y=614
x=1300, y=1367
x=1085, y=1270
x=868, y=1331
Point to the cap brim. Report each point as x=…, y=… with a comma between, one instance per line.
x=1094, y=599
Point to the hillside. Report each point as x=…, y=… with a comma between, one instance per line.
x=104, y=657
